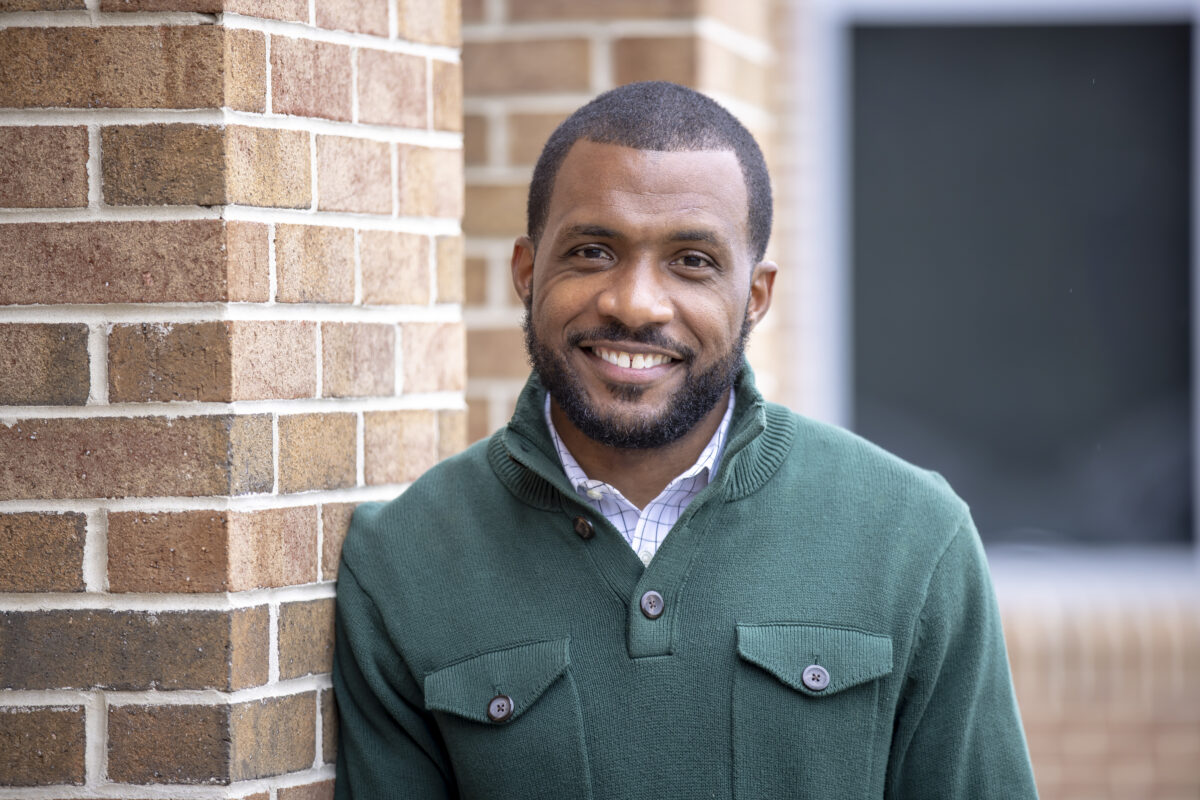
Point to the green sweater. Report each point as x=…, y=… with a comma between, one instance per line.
x=490, y=578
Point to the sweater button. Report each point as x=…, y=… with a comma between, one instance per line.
x=500, y=708
x=584, y=528
x=816, y=677
x=652, y=604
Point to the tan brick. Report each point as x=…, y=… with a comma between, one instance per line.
x=186, y=551
x=495, y=211
x=475, y=281
x=354, y=175
x=753, y=18
x=273, y=736
x=430, y=21
x=43, y=166
x=391, y=89
x=274, y=360
x=472, y=10
x=314, y=264
x=554, y=10
x=273, y=547
x=497, y=353
x=431, y=182
x=452, y=433
x=163, y=164
x=449, y=269
x=113, y=262
x=527, y=134
x=309, y=791
x=309, y=78
x=250, y=658
x=168, y=744
x=653, y=58
x=361, y=16
x=475, y=145
x=245, y=70
x=723, y=71
x=521, y=66
x=358, y=359
x=126, y=650
x=329, y=726
x=112, y=67
x=398, y=446
x=247, y=250
x=197, y=6
x=434, y=357
x=267, y=167
x=163, y=362
x=41, y=746
x=135, y=457
x=43, y=364
x=40, y=5
x=335, y=521
x=447, y=96
x=395, y=268
x=305, y=638
x=317, y=451
x=42, y=552
x=290, y=10
x=479, y=424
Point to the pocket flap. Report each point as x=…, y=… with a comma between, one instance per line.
x=522, y=672
x=786, y=650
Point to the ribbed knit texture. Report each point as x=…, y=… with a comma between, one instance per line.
x=810, y=546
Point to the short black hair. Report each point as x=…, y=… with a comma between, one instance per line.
x=656, y=115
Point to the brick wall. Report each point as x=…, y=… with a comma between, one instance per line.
x=230, y=287
x=528, y=64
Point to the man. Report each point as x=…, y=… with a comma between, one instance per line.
x=651, y=583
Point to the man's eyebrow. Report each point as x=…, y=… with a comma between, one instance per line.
x=696, y=235
x=594, y=231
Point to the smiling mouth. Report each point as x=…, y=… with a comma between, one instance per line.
x=620, y=358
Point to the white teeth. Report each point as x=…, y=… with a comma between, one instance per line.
x=631, y=360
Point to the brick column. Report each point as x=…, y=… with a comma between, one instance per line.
x=529, y=63
x=230, y=287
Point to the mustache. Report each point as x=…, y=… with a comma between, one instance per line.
x=616, y=333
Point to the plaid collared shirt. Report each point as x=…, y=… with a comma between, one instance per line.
x=645, y=529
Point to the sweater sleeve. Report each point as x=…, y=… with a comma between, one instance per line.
x=958, y=732
x=387, y=745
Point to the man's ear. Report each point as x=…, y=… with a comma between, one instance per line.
x=762, y=285
x=522, y=268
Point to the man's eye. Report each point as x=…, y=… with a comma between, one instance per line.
x=694, y=261
x=591, y=252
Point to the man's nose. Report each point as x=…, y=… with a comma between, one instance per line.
x=636, y=295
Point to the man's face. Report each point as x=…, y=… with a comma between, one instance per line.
x=642, y=290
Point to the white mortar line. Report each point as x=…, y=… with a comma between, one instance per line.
x=442, y=226
x=109, y=116
x=379, y=133
x=92, y=7
x=498, y=316
x=498, y=175
x=125, y=791
x=94, y=17
x=267, y=58
x=163, y=603
x=243, y=503
x=95, y=725
x=272, y=264
x=393, y=21
x=319, y=755
x=274, y=454
x=347, y=38
x=273, y=646
x=600, y=53
x=358, y=273
x=360, y=449
x=320, y=541
x=169, y=313
x=758, y=51
x=354, y=84
x=495, y=12
x=394, y=154
x=110, y=214
x=95, y=551
x=550, y=103
x=187, y=697
x=312, y=12
x=511, y=31
x=97, y=346
x=94, y=176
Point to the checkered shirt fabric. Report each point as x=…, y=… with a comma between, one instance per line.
x=644, y=529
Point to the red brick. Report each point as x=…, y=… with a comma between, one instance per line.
x=164, y=362
x=305, y=638
x=309, y=791
x=450, y=269
x=314, y=264
x=475, y=139
x=475, y=281
x=168, y=744
x=40, y=5
x=250, y=658
x=310, y=79
x=527, y=135
x=126, y=650
x=431, y=182
x=354, y=175
x=391, y=89
x=43, y=364
x=245, y=70
x=434, y=357
x=361, y=16
x=288, y=10
x=43, y=166
x=273, y=547
x=671, y=58
x=472, y=10
x=497, y=211
x=42, y=552
x=273, y=736
x=41, y=746
x=317, y=451
x=395, y=268
x=398, y=446
x=510, y=67
x=274, y=360
x=479, y=424
x=497, y=354
x=247, y=249
x=196, y=6
x=447, y=96
x=358, y=359
x=268, y=167
x=429, y=21
x=335, y=521
x=329, y=726
x=135, y=457
x=184, y=551
x=112, y=67
x=163, y=164
x=452, y=433
x=113, y=262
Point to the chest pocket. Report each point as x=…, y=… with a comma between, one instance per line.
x=511, y=722
x=805, y=702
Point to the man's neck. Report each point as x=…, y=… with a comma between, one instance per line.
x=639, y=474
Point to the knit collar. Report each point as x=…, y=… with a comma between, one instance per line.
x=524, y=458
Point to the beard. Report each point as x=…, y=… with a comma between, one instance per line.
x=699, y=394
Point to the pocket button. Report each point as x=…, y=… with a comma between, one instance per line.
x=500, y=708
x=816, y=677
